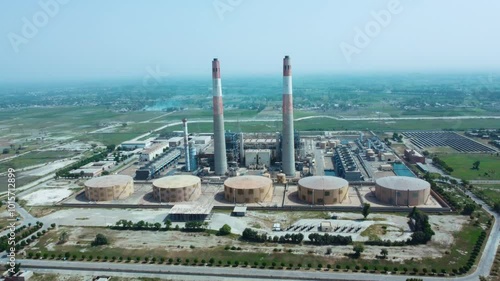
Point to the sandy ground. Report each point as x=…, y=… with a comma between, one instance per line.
x=47, y=196
x=104, y=217
x=443, y=226
x=176, y=241
x=49, y=167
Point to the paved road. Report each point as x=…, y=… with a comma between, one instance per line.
x=225, y=272
x=484, y=181
x=319, y=169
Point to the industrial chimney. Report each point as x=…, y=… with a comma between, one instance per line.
x=186, y=144
x=220, y=159
x=287, y=145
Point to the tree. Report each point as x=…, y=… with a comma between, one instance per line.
x=366, y=210
x=496, y=207
x=168, y=224
x=63, y=238
x=384, y=253
x=224, y=230
x=5, y=151
x=358, y=249
x=475, y=165
x=468, y=209
x=99, y=240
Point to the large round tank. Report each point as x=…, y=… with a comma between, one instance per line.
x=248, y=189
x=108, y=188
x=177, y=188
x=402, y=191
x=323, y=190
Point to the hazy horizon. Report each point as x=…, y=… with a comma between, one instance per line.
x=93, y=40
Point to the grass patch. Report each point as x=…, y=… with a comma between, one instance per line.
x=34, y=158
x=462, y=166
x=374, y=231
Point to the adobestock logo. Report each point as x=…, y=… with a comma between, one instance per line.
x=30, y=28
x=223, y=6
x=363, y=37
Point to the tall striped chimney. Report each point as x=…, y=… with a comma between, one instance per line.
x=186, y=144
x=287, y=145
x=220, y=159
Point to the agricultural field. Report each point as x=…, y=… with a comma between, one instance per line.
x=321, y=123
x=462, y=164
x=34, y=158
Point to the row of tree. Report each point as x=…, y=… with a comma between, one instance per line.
x=327, y=239
x=438, y=162
x=421, y=227
x=141, y=225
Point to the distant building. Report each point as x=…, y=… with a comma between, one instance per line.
x=153, y=151
x=175, y=141
x=325, y=226
x=387, y=156
x=131, y=145
x=89, y=173
x=414, y=157
x=201, y=140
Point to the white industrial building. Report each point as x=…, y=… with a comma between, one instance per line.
x=257, y=157
x=153, y=151
x=175, y=141
x=130, y=145
x=201, y=140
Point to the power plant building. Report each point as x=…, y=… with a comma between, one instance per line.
x=402, y=191
x=178, y=188
x=322, y=190
x=345, y=166
x=248, y=189
x=109, y=188
x=257, y=158
x=153, y=151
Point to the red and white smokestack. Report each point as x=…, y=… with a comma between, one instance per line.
x=186, y=144
x=220, y=160
x=287, y=146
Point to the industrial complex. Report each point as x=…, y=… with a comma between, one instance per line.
x=196, y=172
x=290, y=190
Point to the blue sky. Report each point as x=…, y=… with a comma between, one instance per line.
x=122, y=38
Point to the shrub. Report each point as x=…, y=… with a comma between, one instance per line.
x=99, y=240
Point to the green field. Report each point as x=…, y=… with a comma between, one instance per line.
x=68, y=118
x=318, y=124
x=34, y=158
x=489, y=168
x=207, y=114
x=490, y=193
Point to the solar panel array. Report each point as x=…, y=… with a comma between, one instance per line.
x=423, y=139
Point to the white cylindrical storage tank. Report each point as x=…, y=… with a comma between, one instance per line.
x=322, y=190
x=177, y=188
x=108, y=188
x=402, y=191
x=248, y=189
